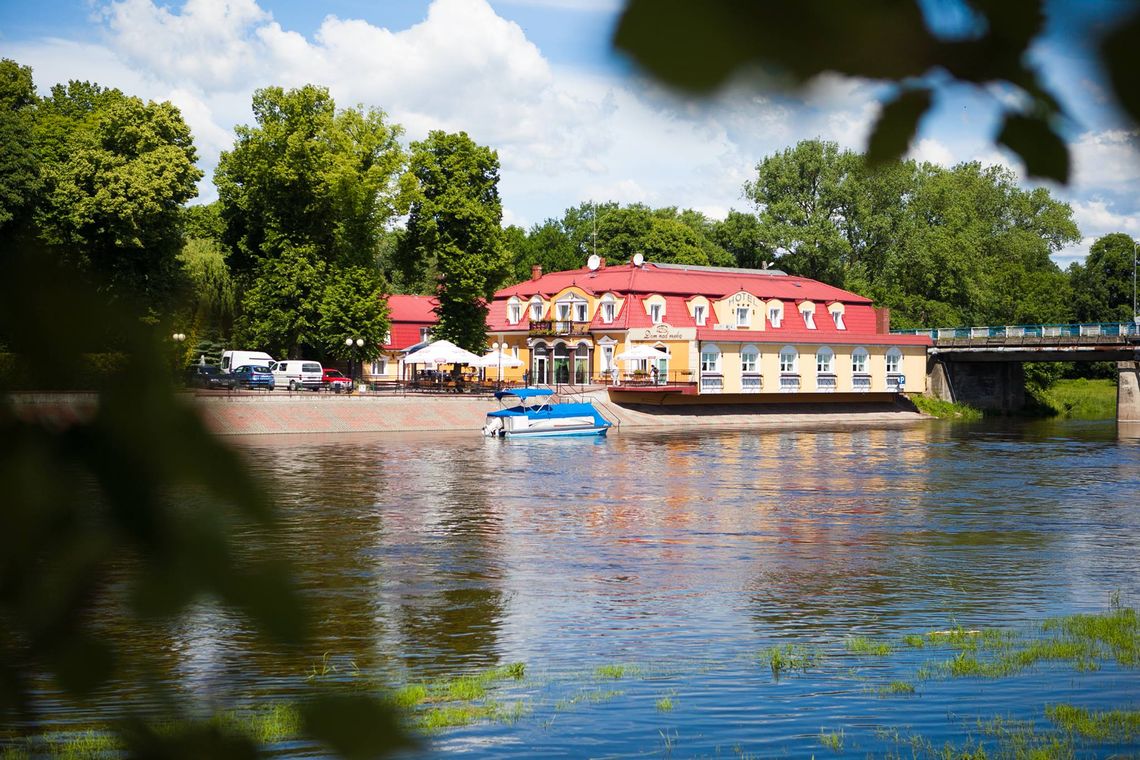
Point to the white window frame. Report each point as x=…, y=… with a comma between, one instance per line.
x=581, y=311
x=715, y=353
x=609, y=310
x=699, y=315
x=792, y=367
x=824, y=361
x=837, y=317
x=535, y=309
x=425, y=334
x=743, y=316
x=859, y=361
x=809, y=318
x=894, y=361
x=514, y=313
x=749, y=366
x=656, y=313
x=775, y=315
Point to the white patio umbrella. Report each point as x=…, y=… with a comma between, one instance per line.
x=641, y=352
x=497, y=358
x=442, y=352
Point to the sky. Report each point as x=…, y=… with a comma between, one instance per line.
x=538, y=81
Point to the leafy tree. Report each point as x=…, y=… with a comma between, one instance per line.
x=282, y=308
x=211, y=298
x=454, y=245
x=310, y=175
x=1102, y=286
x=204, y=222
x=344, y=314
x=20, y=182
x=698, y=47
x=116, y=171
x=741, y=236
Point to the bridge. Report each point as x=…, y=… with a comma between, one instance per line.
x=983, y=366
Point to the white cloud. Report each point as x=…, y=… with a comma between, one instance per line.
x=929, y=150
x=1107, y=159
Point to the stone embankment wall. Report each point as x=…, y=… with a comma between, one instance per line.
x=285, y=413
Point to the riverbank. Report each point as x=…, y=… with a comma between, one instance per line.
x=301, y=413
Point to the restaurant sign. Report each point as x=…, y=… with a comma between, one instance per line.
x=664, y=332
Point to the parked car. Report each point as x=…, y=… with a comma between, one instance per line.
x=297, y=374
x=208, y=376
x=334, y=381
x=254, y=376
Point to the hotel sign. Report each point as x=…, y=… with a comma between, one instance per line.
x=664, y=332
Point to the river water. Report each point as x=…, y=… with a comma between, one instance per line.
x=643, y=579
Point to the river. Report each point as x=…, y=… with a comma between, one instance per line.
x=643, y=582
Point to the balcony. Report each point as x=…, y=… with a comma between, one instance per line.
x=789, y=383
x=751, y=384
x=712, y=383
x=826, y=383
x=861, y=383
x=555, y=327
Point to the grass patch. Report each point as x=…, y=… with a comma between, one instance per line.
x=897, y=688
x=613, y=672
x=866, y=646
x=1117, y=631
x=1113, y=725
x=665, y=704
x=914, y=640
x=788, y=658
x=1081, y=399
x=833, y=740
x=409, y=696
x=275, y=723
x=945, y=410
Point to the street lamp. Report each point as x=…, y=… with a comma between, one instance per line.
x=1135, y=314
x=498, y=347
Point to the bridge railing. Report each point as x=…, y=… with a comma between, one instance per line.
x=1086, y=329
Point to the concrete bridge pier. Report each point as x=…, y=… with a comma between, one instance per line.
x=989, y=386
x=1128, y=393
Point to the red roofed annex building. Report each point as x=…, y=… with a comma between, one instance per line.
x=719, y=330
x=412, y=318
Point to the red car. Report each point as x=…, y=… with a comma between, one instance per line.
x=334, y=381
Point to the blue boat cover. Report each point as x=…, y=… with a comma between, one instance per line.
x=523, y=393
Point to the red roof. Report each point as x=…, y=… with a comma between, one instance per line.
x=409, y=314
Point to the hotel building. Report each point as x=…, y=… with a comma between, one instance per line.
x=718, y=333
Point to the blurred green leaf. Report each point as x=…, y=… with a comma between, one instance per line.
x=355, y=725
x=1044, y=152
x=896, y=126
x=1122, y=60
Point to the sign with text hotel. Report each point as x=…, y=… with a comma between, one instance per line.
x=664, y=332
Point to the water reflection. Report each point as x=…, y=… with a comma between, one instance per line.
x=435, y=555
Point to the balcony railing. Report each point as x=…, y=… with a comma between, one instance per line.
x=712, y=383
x=549, y=327
x=861, y=383
x=751, y=383
x=789, y=383
x=826, y=383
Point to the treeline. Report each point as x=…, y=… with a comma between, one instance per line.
x=322, y=210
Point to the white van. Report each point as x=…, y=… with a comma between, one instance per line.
x=297, y=374
x=231, y=360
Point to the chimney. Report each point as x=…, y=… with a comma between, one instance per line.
x=535, y=271
x=882, y=320
x=602, y=263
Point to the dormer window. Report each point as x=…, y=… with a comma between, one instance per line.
x=608, y=310
x=837, y=316
x=655, y=313
x=699, y=315
x=580, y=311
x=775, y=314
x=743, y=314
x=514, y=313
x=809, y=319
x=536, y=310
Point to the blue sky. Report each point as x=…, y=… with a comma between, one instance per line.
x=536, y=80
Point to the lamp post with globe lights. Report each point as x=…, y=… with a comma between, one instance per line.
x=350, y=344
x=498, y=349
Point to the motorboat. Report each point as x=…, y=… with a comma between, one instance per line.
x=537, y=413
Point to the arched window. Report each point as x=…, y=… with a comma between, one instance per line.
x=894, y=361
x=514, y=311
x=859, y=361
x=608, y=308
x=750, y=369
x=789, y=360
x=825, y=360
x=535, y=309
x=712, y=381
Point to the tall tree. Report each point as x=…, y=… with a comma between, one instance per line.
x=454, y=244
x=1103, y=284
x=19, y=163
x=740, y=235
x=116, y=172
x=308, y=174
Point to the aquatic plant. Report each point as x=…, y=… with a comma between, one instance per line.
x=833, y=740
x=1112, y=725
x=590, y=696
x=615, y=672
x=914, y=640
x=864, y=645
x=788, y=658
x=665, y=704
x=897, y=687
